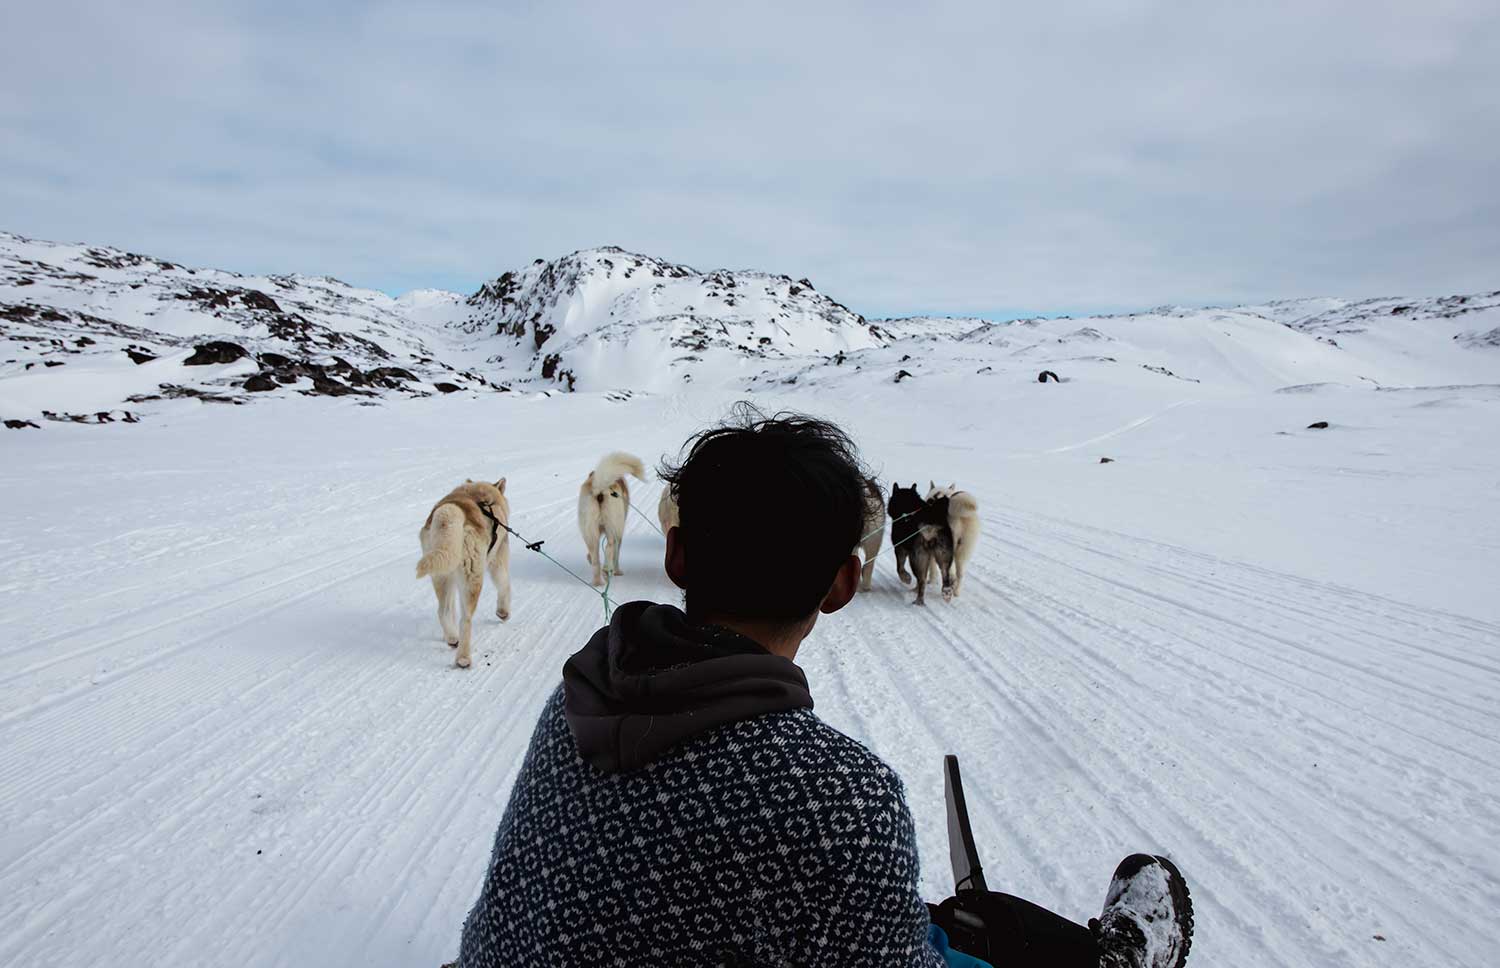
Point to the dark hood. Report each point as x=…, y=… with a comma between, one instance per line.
x=650, y=680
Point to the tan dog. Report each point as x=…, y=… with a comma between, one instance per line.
x=874, y=531
x=461, y=539
x=603, y=502
x=666, y=510
x=963, y=521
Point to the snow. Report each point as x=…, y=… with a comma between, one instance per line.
x=232, y=734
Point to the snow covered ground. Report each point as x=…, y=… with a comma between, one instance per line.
x=231, y=734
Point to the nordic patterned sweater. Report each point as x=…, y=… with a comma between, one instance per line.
x=773, y=840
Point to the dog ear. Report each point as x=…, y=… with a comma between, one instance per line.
x=931, y=486
x=500, y=485
x=953, y=486
x=468, y=480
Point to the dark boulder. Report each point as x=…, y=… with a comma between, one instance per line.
x=138, y=356
x=260, y=382
x=327, y=386
x=901, y=375
x=447, y=387
x=1046, y=375
x=1320, y=425
x=217, y=351
x=20, y=424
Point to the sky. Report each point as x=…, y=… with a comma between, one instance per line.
x=966, y=158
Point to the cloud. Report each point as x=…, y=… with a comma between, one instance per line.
x=947, y=157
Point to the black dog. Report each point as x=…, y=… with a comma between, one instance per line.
x=901, y=507
x=922, y=536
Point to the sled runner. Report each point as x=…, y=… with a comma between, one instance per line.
x=968, y=931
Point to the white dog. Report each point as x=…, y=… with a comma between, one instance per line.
x=461, y=539
x=874, y=531
x=603, y=503
x=963, y=521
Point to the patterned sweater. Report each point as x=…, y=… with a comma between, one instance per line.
x=775, y=840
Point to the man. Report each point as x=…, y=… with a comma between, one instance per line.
x=680, y=803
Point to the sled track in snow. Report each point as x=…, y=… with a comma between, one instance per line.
x=261, y=755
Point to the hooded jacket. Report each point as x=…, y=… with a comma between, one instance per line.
x=650, y=680
x=680, y=805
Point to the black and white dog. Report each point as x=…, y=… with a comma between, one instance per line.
x=923, y=536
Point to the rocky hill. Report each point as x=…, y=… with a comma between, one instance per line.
x=95, y=334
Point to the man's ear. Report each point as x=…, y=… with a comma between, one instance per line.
x=500, y=485
x=844, y=585
x=676, y=560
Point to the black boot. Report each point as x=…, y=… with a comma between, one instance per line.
x=1147, y=921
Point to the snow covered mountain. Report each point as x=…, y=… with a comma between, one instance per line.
x=611, y=318
x=96, y=334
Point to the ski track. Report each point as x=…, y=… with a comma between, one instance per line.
x=255, y=750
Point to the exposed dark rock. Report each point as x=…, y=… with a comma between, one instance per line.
x=21, y=313
x=53, y=362
x=901, y=375
x=549, y=366
x=390, y=377
x=327, y=386
x=447, y=387
x=20, y=424
x=1106, y=460
x=260, y=382
x=216, y=351
x=1046, y=375
x=1320, y=425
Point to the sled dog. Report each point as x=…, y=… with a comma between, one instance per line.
x=603, y=503
x=963, y=521
x=904, y=502
x=932, y=548
x=666, y=510
x=874, y=532
x=461, y=539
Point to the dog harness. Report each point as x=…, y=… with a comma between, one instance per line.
x=494, y=523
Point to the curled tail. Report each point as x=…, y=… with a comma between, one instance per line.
x=614, y=467
x=443, y=541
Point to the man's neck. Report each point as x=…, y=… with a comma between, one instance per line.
x=777, y=638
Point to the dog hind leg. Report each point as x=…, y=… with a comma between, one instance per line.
x=902, y=554
x=500, y=575
x=473, y=585
x=866, y=574
x=920, y=560
x=442, y=587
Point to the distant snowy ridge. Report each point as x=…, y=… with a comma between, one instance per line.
x=87, y=331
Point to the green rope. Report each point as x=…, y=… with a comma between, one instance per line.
x=648, y=520
x=893, y=521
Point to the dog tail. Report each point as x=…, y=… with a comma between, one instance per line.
x=446, y=531
x=614, y=467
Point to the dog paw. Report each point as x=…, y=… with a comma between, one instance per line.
x=503, y=614
x=947, y=595
x=920, y=602
x=905, y=579
x=462, y=662
x=453, y=643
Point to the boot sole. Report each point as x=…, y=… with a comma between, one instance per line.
x=1182, y=903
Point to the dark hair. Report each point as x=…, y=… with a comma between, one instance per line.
x=769, y=508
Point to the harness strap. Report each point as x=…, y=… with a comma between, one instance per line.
x=484, y=506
